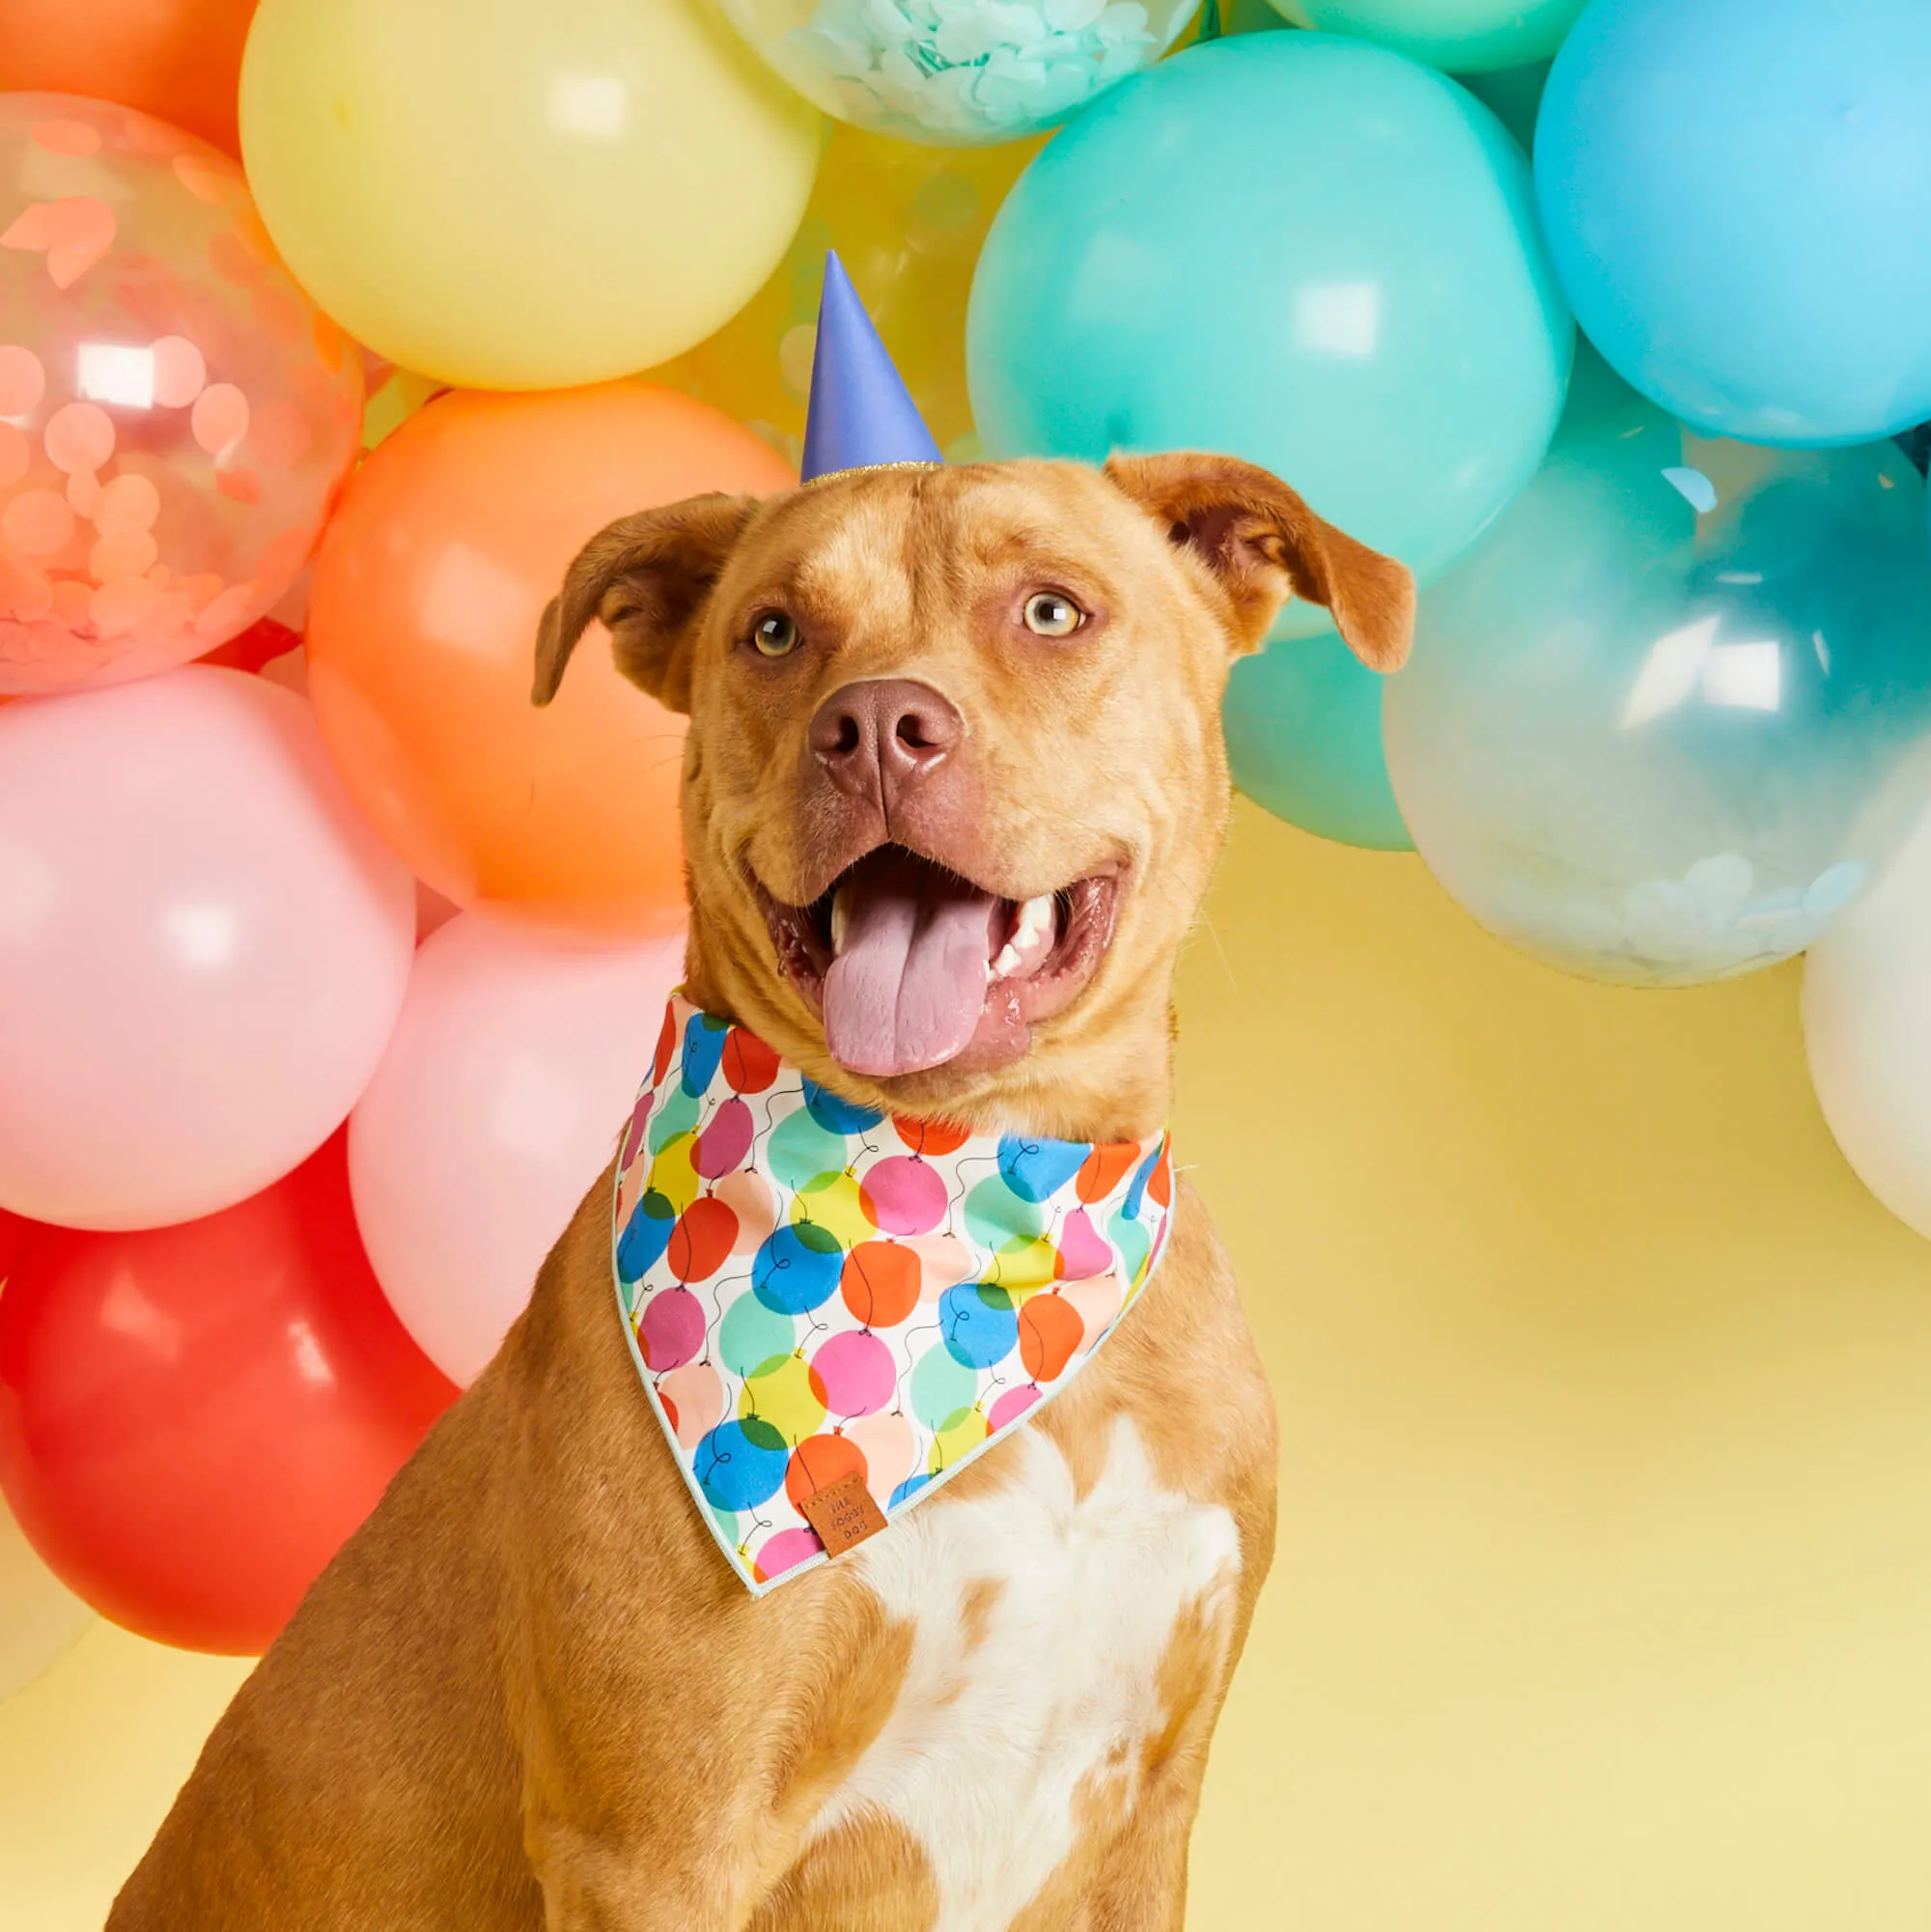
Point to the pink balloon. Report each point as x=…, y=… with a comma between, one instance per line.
x=724, y=1143
x=673, y=1329
x=203, y=948
x=908, y=1196
x=500, y=1099
x=1012, y=1405
x=786, y=1551
x=857, y=1371
x=1083, y=1253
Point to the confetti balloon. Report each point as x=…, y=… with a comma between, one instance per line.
x=175, y=415
x=1670, y=715
x=521, y=196
x=957, y=72
x=907, y=223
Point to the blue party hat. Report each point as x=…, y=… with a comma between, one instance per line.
x=861, y=415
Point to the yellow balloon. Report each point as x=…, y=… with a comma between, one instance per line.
x=907, y=223
x=787, y=1395
x=521, y=196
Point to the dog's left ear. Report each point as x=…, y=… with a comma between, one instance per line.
x=648, y=578
x=1264, y=545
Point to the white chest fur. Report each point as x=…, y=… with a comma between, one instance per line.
x=1041, y=1621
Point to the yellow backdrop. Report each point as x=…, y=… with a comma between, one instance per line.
x=1604, y=1593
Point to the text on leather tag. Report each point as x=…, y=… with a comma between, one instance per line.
x=843, y=1513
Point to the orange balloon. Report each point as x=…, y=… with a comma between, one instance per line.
x=422, y=623
x=180, y=59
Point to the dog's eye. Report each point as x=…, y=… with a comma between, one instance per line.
x=775, y=635
x=1051, y=614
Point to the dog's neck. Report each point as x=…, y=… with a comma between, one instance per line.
x=1105, y=1073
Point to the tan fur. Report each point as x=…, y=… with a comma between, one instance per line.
x=529, y=1693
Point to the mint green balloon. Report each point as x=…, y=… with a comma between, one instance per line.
x=1303, y=727
x=1673, y=713
x=1458, y=36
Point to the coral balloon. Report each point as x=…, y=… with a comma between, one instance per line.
x=175, y=416
x=522, y=197
x=493, y=1110
x=907, y=223
x=195, y=1418
x=203, y=948
x=422, y=636
x=178, y=59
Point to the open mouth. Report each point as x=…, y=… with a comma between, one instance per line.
x=912, y=967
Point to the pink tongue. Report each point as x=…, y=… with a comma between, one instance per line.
x=906, y=991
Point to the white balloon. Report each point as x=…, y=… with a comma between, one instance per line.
x=1867, y=1032
x=41, y=1620
x=505, y=1085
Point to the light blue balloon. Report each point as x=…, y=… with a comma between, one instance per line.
x=1674, y=711
x=1738, y=196
x=1295, y=248
x=1304, y=728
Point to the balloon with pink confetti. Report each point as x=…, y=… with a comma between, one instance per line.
x=174, y=414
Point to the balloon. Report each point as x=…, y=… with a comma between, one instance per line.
x=1396, y=350
x=1513, y=94
x=193, y=1418
x=491, y=1114
x=957, y=76
x=175, y=416
x=178, y=59
x=907, y=223
x=1867, y=1033
x=422, y=641
x=1664, y=723
x=1459, y=36
x=1303, y=721
x=522, y=197
x=204, y=949
x=1732, y=192
x=41, y=1620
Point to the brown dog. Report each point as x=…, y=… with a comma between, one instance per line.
x=529, y=1693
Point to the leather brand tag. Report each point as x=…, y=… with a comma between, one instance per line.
x=843, y=1514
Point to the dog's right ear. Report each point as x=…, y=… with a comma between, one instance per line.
x=647, y=578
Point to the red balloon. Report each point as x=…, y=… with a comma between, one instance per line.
x=194, y=1418
x=12, y=1232
x=702, y=1238
x=819, y=1461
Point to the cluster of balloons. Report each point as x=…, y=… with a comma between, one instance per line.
x=331, y=962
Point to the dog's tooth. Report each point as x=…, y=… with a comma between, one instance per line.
x=1035, y=921
x=841, y=917
x=1008, y=961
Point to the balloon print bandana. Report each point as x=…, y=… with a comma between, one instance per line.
x=832, y=1310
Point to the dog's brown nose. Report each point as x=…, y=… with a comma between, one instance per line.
x=875, y=737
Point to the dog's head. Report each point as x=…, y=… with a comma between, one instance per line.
x=954, y=782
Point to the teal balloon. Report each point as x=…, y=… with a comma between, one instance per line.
x=1296, y=248
x=1458, y=36
x=1304, y=728
x=1514, y=96
x=1674, y=713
